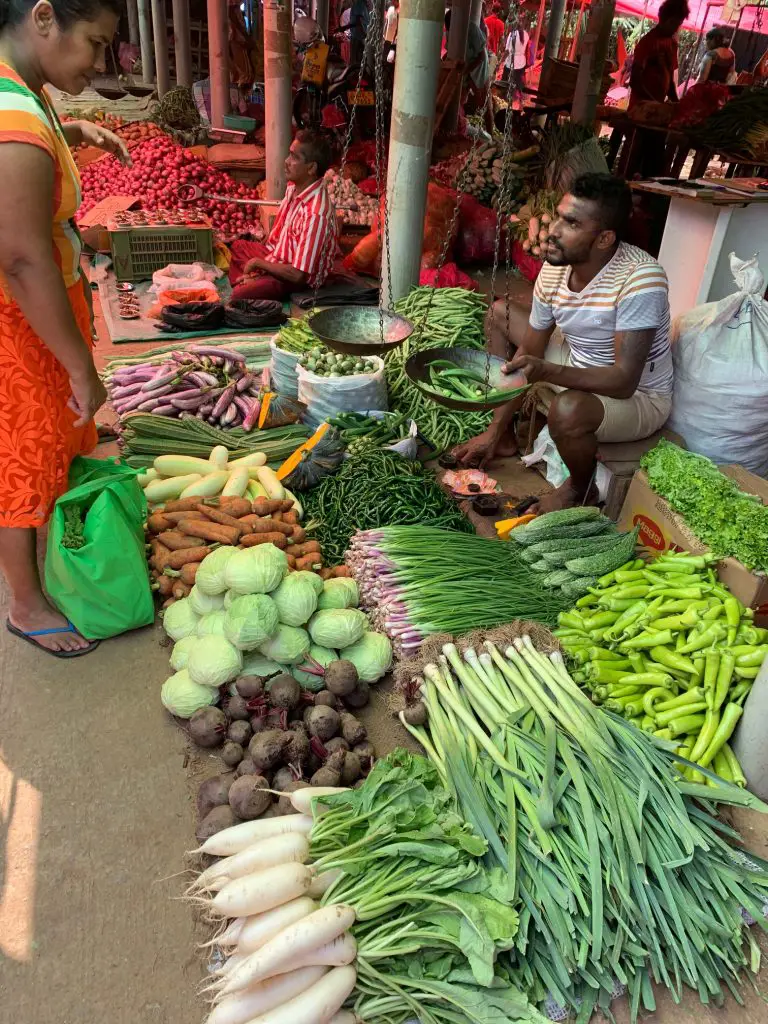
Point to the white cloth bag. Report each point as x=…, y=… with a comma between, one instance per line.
x=720, y=405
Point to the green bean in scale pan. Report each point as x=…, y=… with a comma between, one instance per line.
x=456, y=378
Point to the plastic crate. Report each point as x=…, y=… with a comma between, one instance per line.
x=138, y=252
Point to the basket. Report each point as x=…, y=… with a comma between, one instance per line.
x=138, y=252
x=239, y=124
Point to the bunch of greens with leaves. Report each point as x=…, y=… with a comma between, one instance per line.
x=74, y=528
x=625, y=873
x=722, y=516
x=431, y=917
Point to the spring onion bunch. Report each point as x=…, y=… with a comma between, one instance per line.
x=418, y=580
x=624, y=873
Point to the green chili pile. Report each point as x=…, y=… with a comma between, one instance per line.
x=375, y=488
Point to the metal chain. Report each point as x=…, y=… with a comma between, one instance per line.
x=376, y=25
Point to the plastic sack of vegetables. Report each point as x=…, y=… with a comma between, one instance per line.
x=326, y=397
x=96, y=566
x=282, y=370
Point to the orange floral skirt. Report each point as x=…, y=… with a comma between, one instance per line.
x=37, y=437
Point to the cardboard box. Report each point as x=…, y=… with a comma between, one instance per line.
x=93, y=226
x=661, y=529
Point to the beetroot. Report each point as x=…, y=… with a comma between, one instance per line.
x=296, y=750
x=336, y=743
x=284, y=692
x=416, y=714
x=215, y=821
x=246, y=767
x=258, y=723
x=325, y=699
x=324, y=723
x=249, y=686
x=237, y=709
x=365, y=750
x=283, y=777
x=351, y=770
x=341, y=677
x=359, y=697
x=330, y=773
x=266, y=748
x=208, y=727
x=284, y=805
x=248, y=797
x=354, y=732
x=239, y=732
x=213, y=792
x=232, y=753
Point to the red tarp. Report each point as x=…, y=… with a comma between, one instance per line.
x=752, y=18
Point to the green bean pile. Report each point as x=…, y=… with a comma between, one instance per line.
x=377, y=488
x=454, y=317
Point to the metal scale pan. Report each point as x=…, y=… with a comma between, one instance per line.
x=417, y=371
x=360, y=330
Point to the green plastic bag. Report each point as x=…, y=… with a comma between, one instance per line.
x=103, y=586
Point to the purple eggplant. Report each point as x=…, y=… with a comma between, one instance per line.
x=160, y=382
x=203, y=379
x=243, y=405
x=126, y=390
x=132, y=404
x=244, y=383
x=165, y=409
x=226, y=418
x=252, y=418
x=224, y=401
x=213, y=350
x=187, y=404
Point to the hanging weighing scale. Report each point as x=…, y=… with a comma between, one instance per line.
x=190, y=193
x=360, y=330
x=486, y=368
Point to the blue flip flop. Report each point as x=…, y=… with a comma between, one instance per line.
x=69, y=628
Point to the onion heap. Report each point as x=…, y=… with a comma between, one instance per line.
x=160, y=168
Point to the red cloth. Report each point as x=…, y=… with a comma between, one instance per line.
x=495, y=28
x=305, y=233
x=654, y=63
x=260, y=285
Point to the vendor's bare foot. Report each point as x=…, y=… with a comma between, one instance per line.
x=564, y=496
x=30, y=619
x=481, y=450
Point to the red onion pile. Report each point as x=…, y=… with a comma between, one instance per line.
x=160, y=168
x=210, y=383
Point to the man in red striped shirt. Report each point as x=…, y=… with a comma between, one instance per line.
x=302, y=244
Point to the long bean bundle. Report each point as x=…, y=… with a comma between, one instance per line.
x=418, y=580
x=443, y=317
x=144, y=437
x=625, y=873
x=375, y=488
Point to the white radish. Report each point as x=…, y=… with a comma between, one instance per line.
x=286, y=949
x=263, y=927
x=229, y=965
x=317, y=1004
x=282, y=849
x=302, y=798
x=262, y=891
x=338, y=953
x=323, y=882
x=241, y=1007
x=239, y=837
x=344, y=1017
x=228, y=936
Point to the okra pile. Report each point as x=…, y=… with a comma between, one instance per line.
x=668, y=647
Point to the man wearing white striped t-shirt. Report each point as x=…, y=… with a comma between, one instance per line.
x=597, y=335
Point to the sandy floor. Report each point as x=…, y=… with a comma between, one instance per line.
x=95, y=810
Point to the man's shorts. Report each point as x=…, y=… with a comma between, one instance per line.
x=624, y=419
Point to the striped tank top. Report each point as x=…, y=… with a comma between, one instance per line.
x=629, y=294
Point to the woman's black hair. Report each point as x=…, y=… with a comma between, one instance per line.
x=717, y=36
x=66, y=12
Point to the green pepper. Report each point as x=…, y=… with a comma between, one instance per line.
x=601, y=654
x=631, y=590
x=587, y=601
x=647, y=640
x=663, y=718
x=635, y=659
x=628, y=575
x=694, y=696
x=733, y=764
x=732, y=608
x=663, y=734
x=712, y=720
x=681, y=593
x=711, y=669
x=613, y=604
x=604, y=672
x=632, y=614
x=727, y=724
x=746, y=673
x=684, y=725
x=710, y=636
x=713, y=613
x=672, y=660
x=646, y=679
x=723, y=679
x=653, y=697
x=571, y=620
x=608, y=579
x=741, y=691
x=601, y=619
x=673, y=622
x=647, y=724
x=755, y=657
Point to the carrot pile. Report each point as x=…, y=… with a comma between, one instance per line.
x=183, y=532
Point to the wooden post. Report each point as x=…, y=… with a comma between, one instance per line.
x=145, y=41
x=554, y=28
x=160, y=31
x=277, y=92
x=218, y=60
x=456, y=49
x=182, y=41
x=133, y=22
x=593, y=54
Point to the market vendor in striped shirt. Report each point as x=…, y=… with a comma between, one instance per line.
x=597, y=336
x=302, y=244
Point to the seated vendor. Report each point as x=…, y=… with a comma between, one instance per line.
x=302, y=243
x=597, y=335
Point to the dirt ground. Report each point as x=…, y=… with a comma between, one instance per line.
x=96, y=809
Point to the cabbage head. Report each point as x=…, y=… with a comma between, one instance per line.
x=256, y=570
x=255, y=664
x=179, y=619
x=213, y=661
x=323, y=656
x=337, y=627
x=296, y=599
x=203, y=603
x=311, y=578
x=183, y=698
x=210, y=576
x=371, y=656
x=229, y=597
x=339, y=593
x=212, y=623
x=180, y=652
x=250, y=621
x=288, y=646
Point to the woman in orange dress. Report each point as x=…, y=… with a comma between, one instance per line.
x=49, y=388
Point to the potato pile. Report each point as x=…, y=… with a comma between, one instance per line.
x=273, y=736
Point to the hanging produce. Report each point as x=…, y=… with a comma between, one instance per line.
x=417, y=580
x=344, y=192
x=722, y=516
x=671, y=650
x=376, y=488
x=589, y=821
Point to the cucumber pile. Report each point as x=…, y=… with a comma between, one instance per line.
x=325, y=363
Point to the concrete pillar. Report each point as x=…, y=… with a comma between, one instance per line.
x=322, y=10
x=145, y=42
x=419, y=37
x=160, y=32
x=456, y=49
x=594, y=50
x=555, y=28
x=218, y=60
x=182, y=40
x=133, y=22
x=277, y=92
x=537, y=30
x=476, y=11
